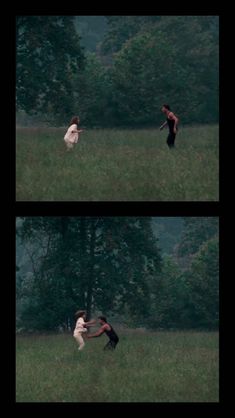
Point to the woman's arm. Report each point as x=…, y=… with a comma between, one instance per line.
x=76, y=131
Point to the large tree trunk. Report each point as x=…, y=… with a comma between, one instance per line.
x=66, y=269
x=83, y=259
x=91, y=269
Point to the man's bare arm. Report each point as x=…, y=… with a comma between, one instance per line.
x=163, y=125
x=176, y=120
x=90, y=323
x=98, y=333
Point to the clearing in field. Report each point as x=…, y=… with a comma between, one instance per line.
x=145, y=367
x=116, y=165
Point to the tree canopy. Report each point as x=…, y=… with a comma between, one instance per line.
x=114, y=265
x=48, y=52
x=129, y=67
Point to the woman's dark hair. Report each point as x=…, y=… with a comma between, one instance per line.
x=102, y=318
x=75, y=119
x=78, y=314
x=167, y=106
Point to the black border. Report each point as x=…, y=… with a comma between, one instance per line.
x=117, y=209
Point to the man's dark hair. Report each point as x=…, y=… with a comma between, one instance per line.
x=102, y=318
x=167, y=106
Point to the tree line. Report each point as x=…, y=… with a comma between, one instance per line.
x=140, y=63
x=116, y=266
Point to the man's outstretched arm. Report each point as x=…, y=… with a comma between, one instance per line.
x=163, y=125
x=97, y=334
x=90, y=323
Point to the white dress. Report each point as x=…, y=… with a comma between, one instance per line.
x=71, y=137
x=79, y=326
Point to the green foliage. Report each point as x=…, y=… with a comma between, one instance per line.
x=168, y=303
x=187, y=294
x=122, y=28
x=174, y=61
x=96, y=263
x=197, y=230
x=137, y=64
x=113, y=265
x=139, y=76
x=93, y=86
x=47, y=54
x=203, y=286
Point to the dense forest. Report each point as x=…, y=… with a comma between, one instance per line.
x=116, y=71
x=153, y=272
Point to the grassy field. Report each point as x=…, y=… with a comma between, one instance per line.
x=146, y=367
x=116, y=165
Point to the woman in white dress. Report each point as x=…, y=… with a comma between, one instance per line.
x=81, y=328
x=72, y=135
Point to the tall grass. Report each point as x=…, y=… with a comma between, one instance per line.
x=145, y=367
x=116, y=165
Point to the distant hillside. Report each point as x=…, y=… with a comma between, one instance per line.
x=92, y=30
x=168, y=230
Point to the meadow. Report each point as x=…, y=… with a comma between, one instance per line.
x=117, y=165
x=145, y=367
